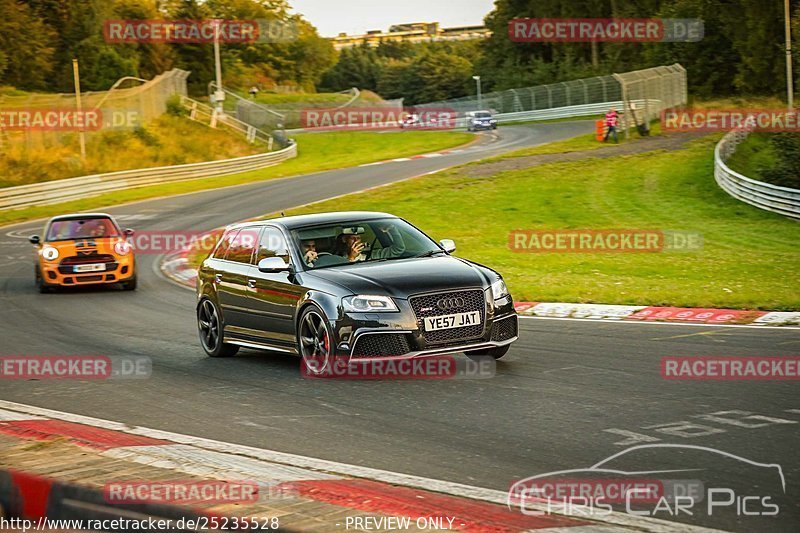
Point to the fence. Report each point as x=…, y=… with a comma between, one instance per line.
x=650, y=91
x=205, y=114
x=782, y=200
x=147, y=101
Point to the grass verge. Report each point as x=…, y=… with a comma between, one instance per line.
x=748, y=260
x=317, y=152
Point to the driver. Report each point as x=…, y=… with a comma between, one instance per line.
x=351, y=246
x=310, y=254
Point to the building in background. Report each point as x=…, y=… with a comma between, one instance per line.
x=414, y=32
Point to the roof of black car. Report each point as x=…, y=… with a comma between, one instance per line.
x=338, y=217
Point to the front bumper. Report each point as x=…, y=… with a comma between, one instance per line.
x=400, y=334
x=54, y=274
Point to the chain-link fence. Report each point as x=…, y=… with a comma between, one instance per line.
x=120, y=107
x=646, y=93
x=642, y=94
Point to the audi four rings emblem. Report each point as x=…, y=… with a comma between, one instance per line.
x=446, y=304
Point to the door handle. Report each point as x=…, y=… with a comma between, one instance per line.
x=218, y=278
x=251, y=283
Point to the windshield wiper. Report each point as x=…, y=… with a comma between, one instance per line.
x=429, y=253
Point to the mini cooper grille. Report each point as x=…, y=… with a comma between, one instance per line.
x=381, y=344
x=457, y=302
x=504, y=329
x=66, y=265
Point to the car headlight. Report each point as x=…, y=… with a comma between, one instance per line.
x=49, y=253
x=499, y=289
x=122, y=247
x=366, y=304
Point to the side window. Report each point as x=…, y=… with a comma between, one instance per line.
x=224, y=244
x=273, y=244
x=242, y=246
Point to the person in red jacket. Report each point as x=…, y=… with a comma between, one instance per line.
x=612, y=122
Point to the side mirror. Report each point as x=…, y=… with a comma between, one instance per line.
x=272, y=264
x=128, y=232
x=34, y=239
x=448, y=245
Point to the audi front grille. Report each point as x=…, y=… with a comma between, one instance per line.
x=428, y=305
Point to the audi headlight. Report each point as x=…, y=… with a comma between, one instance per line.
x=499, y=289
x=368, y=304
x=49, y=253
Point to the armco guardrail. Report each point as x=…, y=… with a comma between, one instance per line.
x=51, y=192
x=782, y=200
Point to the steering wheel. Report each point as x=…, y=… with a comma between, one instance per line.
x=320, y=254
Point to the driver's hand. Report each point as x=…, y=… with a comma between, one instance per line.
x=355, y=250
x=311, y=256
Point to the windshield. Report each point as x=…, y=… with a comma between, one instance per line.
x=81, y=228
x=483, y=114
x=357, y=241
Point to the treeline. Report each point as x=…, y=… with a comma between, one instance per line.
x=39, y=39
x=741, y=54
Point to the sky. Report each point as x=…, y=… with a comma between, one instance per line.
x=357, y=16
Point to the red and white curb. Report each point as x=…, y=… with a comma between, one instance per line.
x=654, y=314
x=362, y=489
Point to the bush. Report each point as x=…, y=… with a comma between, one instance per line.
x=175, y=107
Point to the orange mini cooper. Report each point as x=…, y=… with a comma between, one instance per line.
x=87, y=249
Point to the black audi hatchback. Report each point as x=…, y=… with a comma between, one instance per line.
x=348, y=285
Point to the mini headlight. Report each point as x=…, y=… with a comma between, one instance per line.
x=368, y=304
x=499, y=289
x=49, y=253
x=122, y=247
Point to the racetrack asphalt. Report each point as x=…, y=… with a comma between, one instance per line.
x=568, y=394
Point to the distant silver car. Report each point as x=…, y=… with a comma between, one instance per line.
x=481, y=120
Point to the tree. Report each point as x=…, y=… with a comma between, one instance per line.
x=26, y=49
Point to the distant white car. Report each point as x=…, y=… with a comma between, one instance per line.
x=481, y=120
x=415, y=121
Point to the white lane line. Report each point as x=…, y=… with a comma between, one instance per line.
x=402, y=159
x=654, y=322
x=321, y=465
x=11, y=416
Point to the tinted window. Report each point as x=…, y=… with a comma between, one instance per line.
x=224, y=244
x=242, y=246
x=273, y=244
x=82, y=228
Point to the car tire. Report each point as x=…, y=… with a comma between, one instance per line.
x=497, y=352
x=315, y=342
x=129, y=285
x=40, y=283
x=209, y=327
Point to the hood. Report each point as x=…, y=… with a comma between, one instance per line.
x=403, y=277
x=90, y=246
